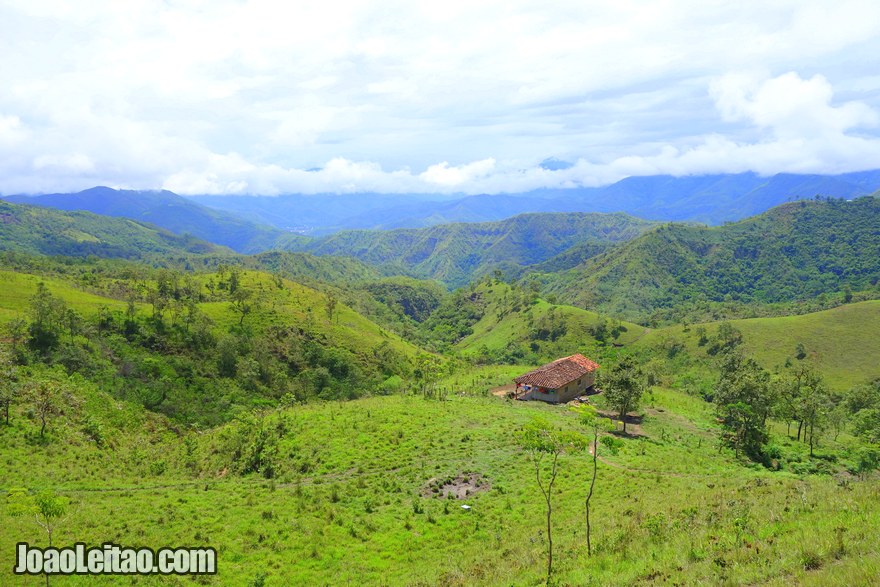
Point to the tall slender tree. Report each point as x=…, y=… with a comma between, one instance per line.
x=595, y=424
x=543, y=441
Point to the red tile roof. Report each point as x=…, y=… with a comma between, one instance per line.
x=558, y=373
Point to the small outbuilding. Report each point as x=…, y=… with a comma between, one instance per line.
x=558, y=382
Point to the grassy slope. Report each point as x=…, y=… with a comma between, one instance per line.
x=842, y=342
x=19, y=288
x=304, y=307
x=347, y=506
x=496, y=330
x=293, y=304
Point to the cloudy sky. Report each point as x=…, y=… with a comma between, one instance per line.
x=478, y=96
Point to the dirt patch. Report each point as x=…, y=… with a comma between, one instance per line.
x=633, y=423
x=460, y=487
x=503, y=390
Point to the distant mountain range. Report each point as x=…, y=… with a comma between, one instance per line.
x=712, y=199
x=612, y=263
x=166, y=210
x=251, y=224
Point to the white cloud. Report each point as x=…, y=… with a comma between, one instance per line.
x=241, y=96
x=443, y=174
x=11, y=130
x=75, y=163
x=790, y=106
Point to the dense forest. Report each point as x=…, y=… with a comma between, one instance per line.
x=796, y=252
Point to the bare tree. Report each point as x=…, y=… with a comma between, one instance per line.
x=542, y=441
x=594, y=424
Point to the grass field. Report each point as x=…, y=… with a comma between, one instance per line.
x=19, y=288
x=842, y=343
x=351, y=499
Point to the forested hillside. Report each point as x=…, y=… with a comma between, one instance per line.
x=198, y=347
x=460, y=253
x=166, y=210
x=33, y=229
x=797, y=251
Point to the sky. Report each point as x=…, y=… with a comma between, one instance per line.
x=477, y=96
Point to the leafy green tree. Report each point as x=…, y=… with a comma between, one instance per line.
x=541, y=440
x=331, y=304
x=428, y=370
x=17, y=330
x=242, y=302
x=47, y=508
x=623, y=388
x=595, y=424
x=48, y=401
x=867, y=424
x=702, y=338
x=47, y=319
x=867, y=459
x=814, y=409
x=744, y=401
x=788, y=390
x=234, y=280
x=744, y=431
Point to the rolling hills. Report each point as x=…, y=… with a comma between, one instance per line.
x=796, y=251
x=517, y=327
x=457, y=254
x=198, y=399
x=200, y=347
x=840, y=343
x=166, y=210
x=45, y=231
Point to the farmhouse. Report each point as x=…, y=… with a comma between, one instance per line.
x=558, y=382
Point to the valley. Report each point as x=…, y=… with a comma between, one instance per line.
x=305, y=412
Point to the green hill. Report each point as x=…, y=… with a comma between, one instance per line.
x=167, y=210
x=794, y=252
x=199, y=347
x=457, y=254
x=44, y=231
x=840, y=343
x=516, y=327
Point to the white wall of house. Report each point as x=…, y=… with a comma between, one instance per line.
x=566, y=393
